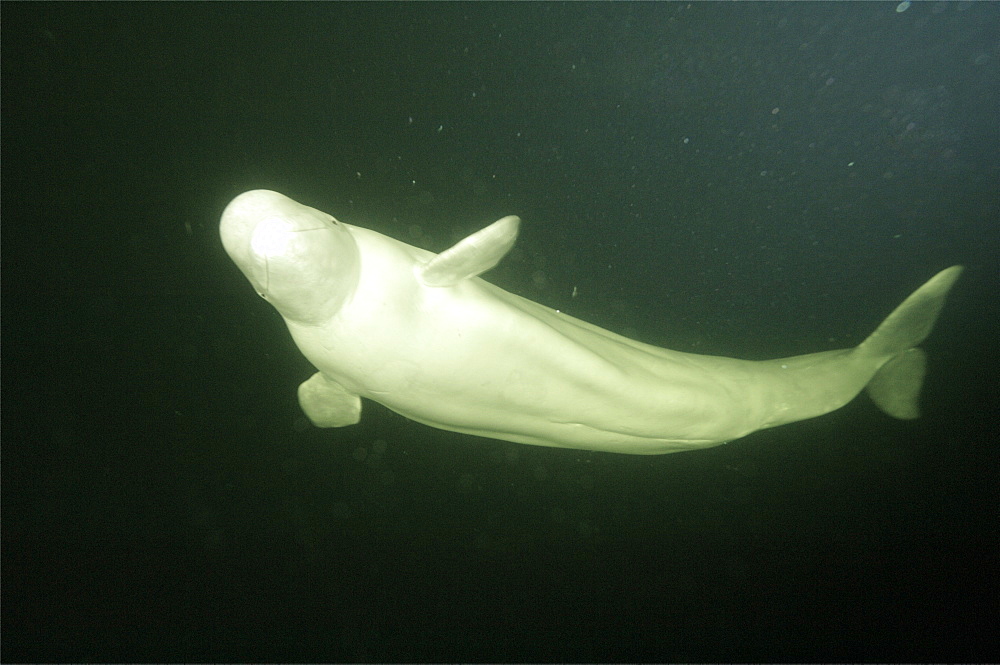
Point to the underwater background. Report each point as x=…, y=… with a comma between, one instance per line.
x=753, y=180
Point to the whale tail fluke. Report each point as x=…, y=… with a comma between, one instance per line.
x=895, y=388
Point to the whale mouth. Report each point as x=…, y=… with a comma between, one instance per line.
x=267, y=280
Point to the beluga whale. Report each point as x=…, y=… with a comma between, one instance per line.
x=424, y=335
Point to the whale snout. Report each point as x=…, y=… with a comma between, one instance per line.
x=296, y=257
x=276, y=236
x=265, y=215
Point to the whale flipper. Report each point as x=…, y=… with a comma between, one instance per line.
x=327, y=404
x=473, y=255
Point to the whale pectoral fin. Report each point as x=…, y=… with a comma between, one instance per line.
x=473, y=255
x=327, y=404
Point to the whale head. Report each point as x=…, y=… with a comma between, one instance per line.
x=301, y=260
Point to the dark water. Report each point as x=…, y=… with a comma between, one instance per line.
x=755, y=180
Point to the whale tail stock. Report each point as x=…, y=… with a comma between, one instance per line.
x=895, y=388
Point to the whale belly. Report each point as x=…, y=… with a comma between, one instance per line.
x=489, y=363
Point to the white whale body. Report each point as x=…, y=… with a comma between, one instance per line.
x=422, y=334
